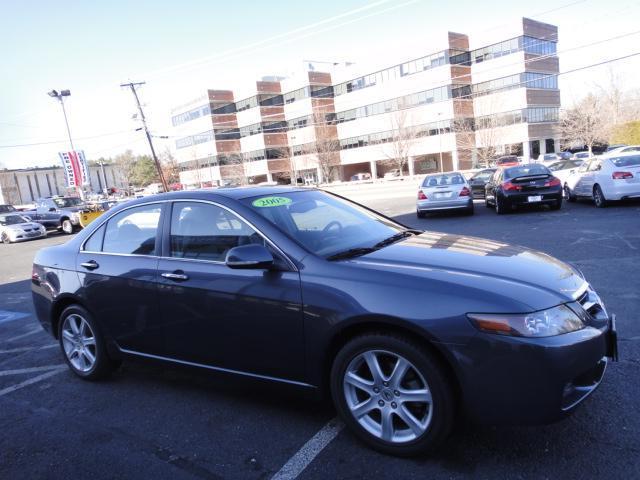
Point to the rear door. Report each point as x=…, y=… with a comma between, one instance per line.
x=588, y=180
x=241, y=320
x=117, y=268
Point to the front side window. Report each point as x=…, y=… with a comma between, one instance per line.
x=322, y=223
x=595, y=165
x=67, y=202
x=133, y=231
x=203, y=231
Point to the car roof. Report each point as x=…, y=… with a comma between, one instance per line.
x=614, y=154
x=236, y=193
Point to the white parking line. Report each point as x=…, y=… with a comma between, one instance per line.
x=28, y=349
x=31, y=381
x=309, y=451
x=19, y=371
x=30, y=332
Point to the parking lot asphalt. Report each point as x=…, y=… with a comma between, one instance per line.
x=155, y=421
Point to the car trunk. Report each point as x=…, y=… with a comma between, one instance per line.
x=443, y=192
x=531, y=183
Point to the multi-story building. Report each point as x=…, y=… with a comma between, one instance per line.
x=451, y=109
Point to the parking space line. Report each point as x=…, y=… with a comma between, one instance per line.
x=309, y=451
x=31, y=381
x=19, y=371
x=28, y=349
x=30, y=332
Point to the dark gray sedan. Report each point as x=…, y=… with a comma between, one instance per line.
x=406, y=329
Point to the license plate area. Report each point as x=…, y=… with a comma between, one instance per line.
x=534, y=198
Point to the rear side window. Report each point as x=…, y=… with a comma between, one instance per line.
x=133, y=231
x=94, y=244
x=630, y=161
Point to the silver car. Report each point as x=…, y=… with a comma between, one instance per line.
x=17, y=228
x=444, y=191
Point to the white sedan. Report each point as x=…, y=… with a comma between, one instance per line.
x=562, y=169
x=17, y=228
x=609, y=177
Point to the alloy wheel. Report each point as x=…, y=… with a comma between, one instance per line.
x=388, y=396
x=598, y=197
x=67, y=226
x=5, y=238
x=79, y=343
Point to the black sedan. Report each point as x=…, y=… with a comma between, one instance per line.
x=531, y=184
x=406, y=329
x=479, y=180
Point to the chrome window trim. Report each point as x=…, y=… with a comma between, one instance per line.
x=233, y=212
x=82, y=250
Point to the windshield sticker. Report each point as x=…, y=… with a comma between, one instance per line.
x=271, y=202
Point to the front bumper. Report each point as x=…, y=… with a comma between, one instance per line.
x=517, y=380
x=15, y=236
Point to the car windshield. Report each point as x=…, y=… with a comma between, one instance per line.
x=67, y=202
x=526, y=171
x=322, y=223
x=484, y=175
x=7, y=208
x=443, y=179
x=556, y=166
x=12, y=219
x=630, y=161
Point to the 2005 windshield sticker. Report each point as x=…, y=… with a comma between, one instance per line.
x=271, y=202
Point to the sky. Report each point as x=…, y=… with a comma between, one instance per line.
x=180, y=48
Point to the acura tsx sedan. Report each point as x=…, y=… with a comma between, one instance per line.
x=405, y=329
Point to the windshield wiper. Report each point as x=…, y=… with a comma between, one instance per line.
x=352, y=252
x=395, y=238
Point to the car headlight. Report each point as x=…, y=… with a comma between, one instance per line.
x=545, y=323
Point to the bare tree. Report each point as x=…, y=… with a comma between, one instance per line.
x=403, y=135
x=483, y=139
x=233, y=168
x=170, y=167
x=125, y=164
x=326, y=147
x=585, y=124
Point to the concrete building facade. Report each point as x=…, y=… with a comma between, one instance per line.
x=449, y=109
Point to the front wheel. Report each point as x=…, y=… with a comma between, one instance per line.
x=568, y=194
x=598, y=197
x=82, y=344
x=67, y=226
x=392, y=394
x=5, y=238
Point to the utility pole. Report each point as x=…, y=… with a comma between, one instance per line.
x=132, y=86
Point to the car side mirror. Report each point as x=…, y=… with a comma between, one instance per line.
x=249, y=257
x=52, y=209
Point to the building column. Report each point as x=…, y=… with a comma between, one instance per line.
x=543, y=147
x=269, y=177
x=454, y=160
x=411, y=165
x=556, y=145
x=319, y=174
x=526, y=151
x=374, y=170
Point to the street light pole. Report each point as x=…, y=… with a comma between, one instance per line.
x=60, y=96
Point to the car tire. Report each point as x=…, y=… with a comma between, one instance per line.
x=67, y=226
x=420, y=214
x=598, y=197
x=431, y=415
x=486, y=202
x=469, y=210
x=83, y=345
x=568, y=194
x=557, y=205
x=5, y=238
x=499, y=205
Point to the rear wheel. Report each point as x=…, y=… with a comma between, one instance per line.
x=598, y=197
x=420, y=214
x=557, y=205
x=83, y=345
x=5, y=238
x=469, y=210
x=500, y=205
x=392, y=394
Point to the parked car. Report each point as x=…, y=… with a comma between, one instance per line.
x=622, y=149
x=563, y=168
x=507, y=160
x=395, y=173
x=479, y=180
x=615, y=147
x=531, y=184
x=15, y=227
x=582, y=155
x=58, y=212
x=547, y=158
x=360, y=176
x=444, y=191
x=7, y=208
x=606, y=178
x=406, y=329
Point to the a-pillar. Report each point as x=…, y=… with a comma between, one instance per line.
x=374, y=169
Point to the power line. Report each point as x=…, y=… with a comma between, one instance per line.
x=63, y=141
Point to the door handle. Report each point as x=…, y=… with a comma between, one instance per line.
x=178, y=277
x=90, y=265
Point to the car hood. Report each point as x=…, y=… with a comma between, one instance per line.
x=497, y=272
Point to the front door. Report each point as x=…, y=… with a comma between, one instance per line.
x=118, y=274
x=243, y=320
